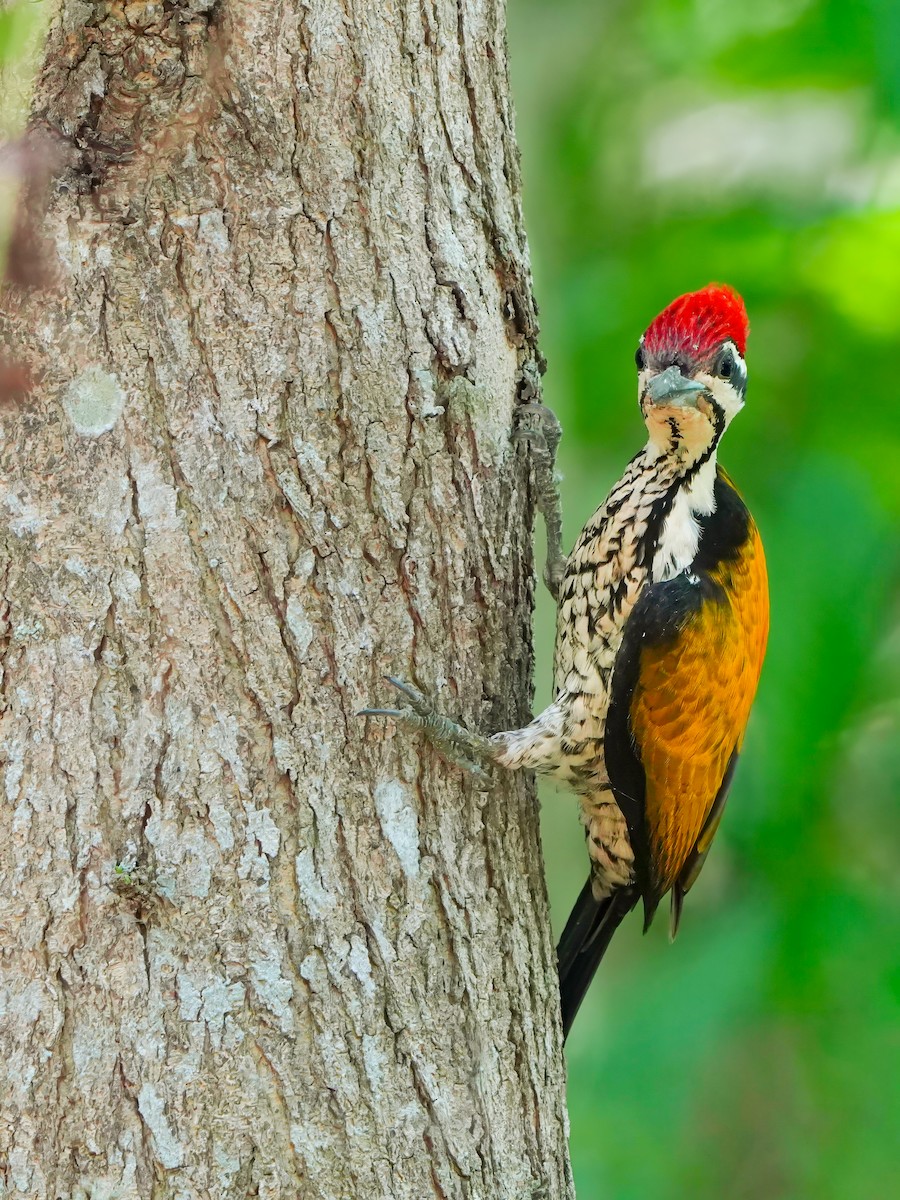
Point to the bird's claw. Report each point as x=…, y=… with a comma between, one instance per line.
x=453, y=741
x=413, y=716
x=418, y=700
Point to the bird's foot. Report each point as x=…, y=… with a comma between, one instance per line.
x=471, y=751
x=537, y=425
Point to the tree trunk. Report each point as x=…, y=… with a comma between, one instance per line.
x=253, y=945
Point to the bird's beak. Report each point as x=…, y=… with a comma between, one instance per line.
x=670, y=389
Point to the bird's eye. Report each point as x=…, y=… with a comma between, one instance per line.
x=640, y=358
x=726, y=364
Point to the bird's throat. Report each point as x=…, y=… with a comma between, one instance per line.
x=679, y=530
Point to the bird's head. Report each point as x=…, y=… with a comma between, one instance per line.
x=691, y=372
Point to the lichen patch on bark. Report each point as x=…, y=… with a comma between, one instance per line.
x=93, y=402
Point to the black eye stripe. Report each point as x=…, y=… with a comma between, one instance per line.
x=730, y=366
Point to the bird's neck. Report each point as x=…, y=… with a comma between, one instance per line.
x=681, y=460
x=689, y=498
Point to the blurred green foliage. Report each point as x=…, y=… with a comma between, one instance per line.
x=22, y=25
x=667, y=144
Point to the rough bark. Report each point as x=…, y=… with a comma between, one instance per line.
x=249, y=945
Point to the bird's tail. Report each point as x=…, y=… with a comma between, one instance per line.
x=588, y=932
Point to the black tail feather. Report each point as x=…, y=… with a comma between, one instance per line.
x=588, y=932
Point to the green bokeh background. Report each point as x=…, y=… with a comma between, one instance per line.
x=666, y=144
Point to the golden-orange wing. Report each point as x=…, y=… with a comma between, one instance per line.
x=684, y=682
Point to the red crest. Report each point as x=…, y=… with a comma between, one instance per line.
x=698, y=322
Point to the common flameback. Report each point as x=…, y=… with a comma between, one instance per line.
x=661, y=631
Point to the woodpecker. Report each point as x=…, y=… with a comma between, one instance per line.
x=663, y=616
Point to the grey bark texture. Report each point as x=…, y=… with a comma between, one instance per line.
x=252, y=945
